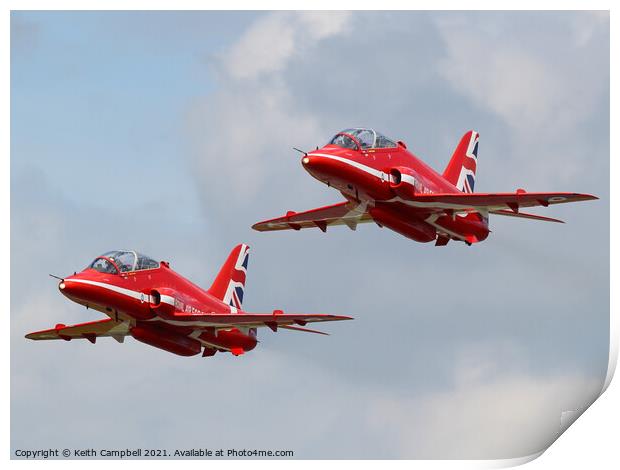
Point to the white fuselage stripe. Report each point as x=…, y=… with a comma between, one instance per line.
x=360, y=166
x=202, y=323
x=120, y=290
x=141, y=296
x=409, y=180
x=147, y=298
x=167, y=299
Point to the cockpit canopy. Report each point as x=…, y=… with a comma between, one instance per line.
x=362, y=138
x=123, y=261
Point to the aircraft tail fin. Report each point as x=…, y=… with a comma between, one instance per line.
x=461, y=169
x=229, y=284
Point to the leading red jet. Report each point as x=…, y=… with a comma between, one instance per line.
x=159, y=307
x=383, y=182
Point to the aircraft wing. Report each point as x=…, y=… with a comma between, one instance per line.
x=492, y=202
x=344, y=213
x=257, y=320
x=89, y=331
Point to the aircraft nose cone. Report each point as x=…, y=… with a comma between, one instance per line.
x=317, y=165
x=74, y=289
x=68, y=288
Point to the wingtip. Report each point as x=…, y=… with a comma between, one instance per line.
x=344, y=317
x=259, y=226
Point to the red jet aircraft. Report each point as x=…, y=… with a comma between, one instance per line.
x=159, y=307
x=383, y=182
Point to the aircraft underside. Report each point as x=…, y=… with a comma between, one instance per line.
x=424, y=226
x=188, y=341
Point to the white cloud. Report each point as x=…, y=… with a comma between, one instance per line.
x=234, y=134
x=504, y=414
x=532, y=79
x=487, y=412
x=264, y=48
x=585, y=27
x=522, y=84
x=273, y=39
x=507, y=80
x=233, y=130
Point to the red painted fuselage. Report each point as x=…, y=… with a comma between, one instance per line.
x=385, y=183
x=386, y=179
x=157, y=306
x=150, y=300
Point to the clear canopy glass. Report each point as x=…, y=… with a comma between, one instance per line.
x=123, y=261
x=363, y=138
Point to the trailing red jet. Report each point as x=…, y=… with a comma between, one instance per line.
x=159, y=307
x=383, y=182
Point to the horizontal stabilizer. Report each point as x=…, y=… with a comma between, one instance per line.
x=305, y=330
x=253, y=320
x=525, y=215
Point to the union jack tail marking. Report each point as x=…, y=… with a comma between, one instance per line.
x=229, y=284
x=461, y=170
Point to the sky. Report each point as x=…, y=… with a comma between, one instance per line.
x=172, y=133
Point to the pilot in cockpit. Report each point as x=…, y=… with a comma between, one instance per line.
x=122, y=261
